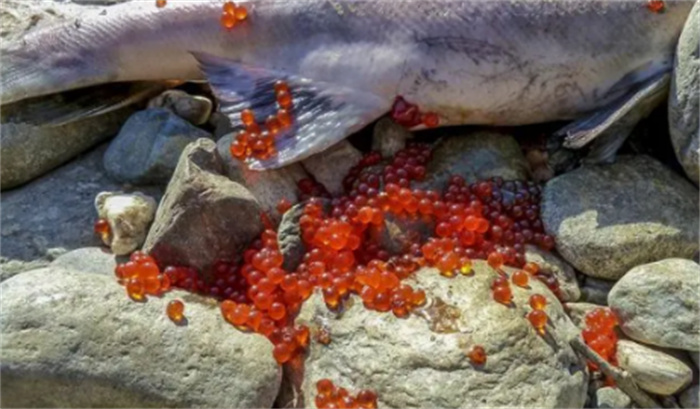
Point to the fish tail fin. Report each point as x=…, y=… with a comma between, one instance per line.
x=323, y=113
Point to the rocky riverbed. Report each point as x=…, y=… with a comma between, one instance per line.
x=455, y=269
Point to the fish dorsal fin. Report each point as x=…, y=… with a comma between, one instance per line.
x=324, y=113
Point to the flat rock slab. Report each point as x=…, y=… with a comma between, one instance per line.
x=658, y=304
x=55, y=213
x=93, y=260
x=409, y=365
x=82, y=342
x=608, y=219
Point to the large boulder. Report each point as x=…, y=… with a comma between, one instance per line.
x=204, y=216
x=148, y=147
x=421, y=361
x=684, y=98
x=607, y=219
x=658, y=304
x=82, y=342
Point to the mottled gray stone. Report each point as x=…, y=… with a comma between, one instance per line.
x=82, y=342
x=204, y=216
x=608, y=397
x=149, y=145
x=388, y=137
x=651, y=369
x=551, y=264
x=475, y=155
x=607, y=219
x=658, y=304
x=684, y=97
x=689, y=398
x=269, y=186
x=421, y=361
x=596, y=291
x=332, y=165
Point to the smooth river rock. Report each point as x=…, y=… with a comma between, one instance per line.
x=651, y=369
x=82, y=342
x=658, y=304
x=607, y=219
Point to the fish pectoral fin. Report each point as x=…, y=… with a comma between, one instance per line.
x=323, y=113
x=619, y=117
x=71, y=106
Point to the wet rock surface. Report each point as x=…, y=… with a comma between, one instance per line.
x=148, y=147
x=203, y=216
x=54, y=213
x=93, y=260
x=651, y=369
x=408, y=365
x=268, y=187
x=684, y=98
x=475, y=155
x=658, y=304
x=608, y=219
x=388, y=137
x=596, y=291
x=125, y=354
x=689, y=398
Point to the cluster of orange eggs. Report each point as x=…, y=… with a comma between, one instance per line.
x=232, y=14
x=330, y=396
x=258, y=140
x=600, y=335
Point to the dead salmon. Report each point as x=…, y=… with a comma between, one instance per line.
x=469, y=62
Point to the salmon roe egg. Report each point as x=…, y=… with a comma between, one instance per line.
x=161, y=3
x=538, y=301
x=175, y=310
x=538, y=319
x=477, y=355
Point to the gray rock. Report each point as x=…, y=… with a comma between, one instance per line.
x=95, y=260
x=268, y=187
x=83, y=343
x=695, y=357
x=388, y=137
x=475, y=156
x=577, y=312
x=689, y=398
x=54, y=213
x=684, y=97
x=553, y=265
x=410, y=365
x=203, y=216
x=596, y=290
x=652, y=370
x=608, y=397
x=194, y=108
x=658, y=304
x=148, y=147
x=30, y=151
x=332, y=165
x=400, y=231
x=608, y=219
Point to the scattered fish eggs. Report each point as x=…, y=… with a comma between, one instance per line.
x=175, y=311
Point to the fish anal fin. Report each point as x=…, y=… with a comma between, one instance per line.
x=323, y=113
x=619, y=117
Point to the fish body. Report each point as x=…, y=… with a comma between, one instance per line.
x=471, y=62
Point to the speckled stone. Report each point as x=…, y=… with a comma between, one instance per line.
x=607, y=219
